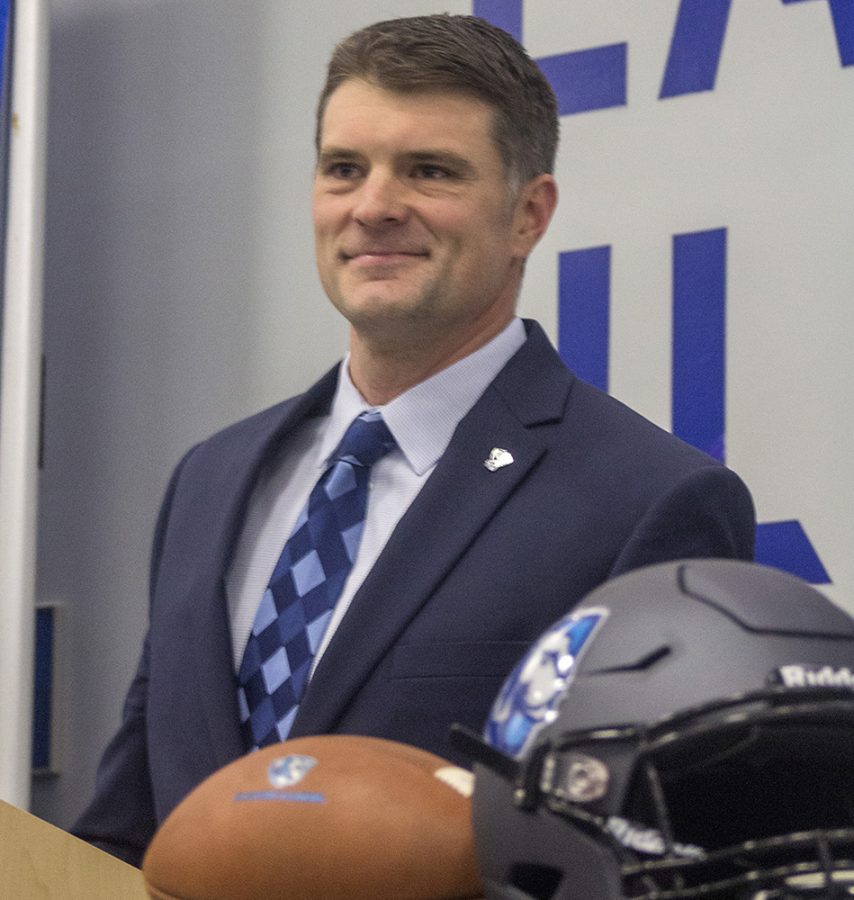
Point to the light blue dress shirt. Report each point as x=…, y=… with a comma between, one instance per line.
x=422, y=420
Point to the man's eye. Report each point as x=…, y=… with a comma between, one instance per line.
x=343, y=170
x=432, y=172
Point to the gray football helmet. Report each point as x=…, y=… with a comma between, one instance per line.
x=686, y=732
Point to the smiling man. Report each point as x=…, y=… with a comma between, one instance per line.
x=373, y=556
x=420, y=242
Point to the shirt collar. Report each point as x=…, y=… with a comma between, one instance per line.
x=423, y=419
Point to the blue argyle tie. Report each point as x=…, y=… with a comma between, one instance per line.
x=305, y=585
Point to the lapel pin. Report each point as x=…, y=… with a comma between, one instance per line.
x=498, y=458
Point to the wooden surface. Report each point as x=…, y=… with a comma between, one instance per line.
x=38, y=860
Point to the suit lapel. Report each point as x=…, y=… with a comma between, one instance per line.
x=463, y=495
x=228, y=488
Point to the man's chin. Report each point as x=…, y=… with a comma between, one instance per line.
x=382, y=306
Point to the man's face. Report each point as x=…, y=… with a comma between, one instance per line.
x=414, y=223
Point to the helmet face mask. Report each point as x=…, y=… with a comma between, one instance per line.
x=730, y=797
x=743, y=791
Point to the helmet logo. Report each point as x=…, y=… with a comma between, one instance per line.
x=531, y=695
x=805, y=675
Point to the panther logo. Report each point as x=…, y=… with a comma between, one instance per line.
x=290, y=770
x=531, y=695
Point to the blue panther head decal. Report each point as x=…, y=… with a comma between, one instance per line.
x=530, y=697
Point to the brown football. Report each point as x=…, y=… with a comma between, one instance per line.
x=334, y=817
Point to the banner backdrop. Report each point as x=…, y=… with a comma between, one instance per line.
x=699, y=267
x=701, y=262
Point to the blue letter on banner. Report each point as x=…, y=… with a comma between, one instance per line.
x=582, y=80
x=695, y=49
x=842, y=13
x=785, y=545
x=583, y=312
x=699, y=357
x=699, y=329
x=585, y=80
x=506, y=14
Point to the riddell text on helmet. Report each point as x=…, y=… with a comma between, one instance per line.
x=816, y=676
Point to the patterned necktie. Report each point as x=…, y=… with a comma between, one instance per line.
x=305, y=585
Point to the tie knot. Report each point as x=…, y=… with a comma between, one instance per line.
x=366, y=440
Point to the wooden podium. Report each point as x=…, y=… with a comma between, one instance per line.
x=41, y=862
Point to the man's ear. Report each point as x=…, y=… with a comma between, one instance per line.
x=535, y=206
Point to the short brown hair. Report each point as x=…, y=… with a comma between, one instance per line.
x=463, y=54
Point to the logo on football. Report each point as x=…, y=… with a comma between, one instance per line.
x=286, y=771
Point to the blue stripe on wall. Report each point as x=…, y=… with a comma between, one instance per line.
x=585, y=80
x=695, y=50
x=842, y=13
x=699, y=339
x=506, y=14
x=785, y=545
x=5, y=51
x=583, y=312
x=582, y=80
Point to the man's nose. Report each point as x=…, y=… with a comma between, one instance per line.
x=381, y=200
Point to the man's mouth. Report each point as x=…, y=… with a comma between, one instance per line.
x=382, y=256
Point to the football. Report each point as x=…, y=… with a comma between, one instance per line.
x=327, y=817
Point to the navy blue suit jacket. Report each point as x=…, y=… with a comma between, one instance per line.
x=478, y=567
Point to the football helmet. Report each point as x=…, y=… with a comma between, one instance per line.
x=686, y=732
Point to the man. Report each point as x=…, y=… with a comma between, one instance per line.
x=508, y=489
